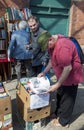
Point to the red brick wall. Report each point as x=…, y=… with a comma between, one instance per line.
x=12, y=3
x=77, y=21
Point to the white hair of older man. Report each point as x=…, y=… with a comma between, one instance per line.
x=23, y=24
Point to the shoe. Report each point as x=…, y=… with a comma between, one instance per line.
x=56, y=123
x=59, y=125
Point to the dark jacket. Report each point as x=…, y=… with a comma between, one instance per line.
x=39, y=56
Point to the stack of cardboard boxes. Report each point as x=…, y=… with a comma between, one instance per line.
x=25, y=100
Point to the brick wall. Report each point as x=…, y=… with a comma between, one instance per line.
x=12, y=3
x=76, y=27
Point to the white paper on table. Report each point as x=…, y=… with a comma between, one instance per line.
x=39, y=85
x=39, y=101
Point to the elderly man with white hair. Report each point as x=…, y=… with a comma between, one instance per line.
x=18, y=48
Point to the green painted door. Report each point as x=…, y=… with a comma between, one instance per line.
x=52, y=14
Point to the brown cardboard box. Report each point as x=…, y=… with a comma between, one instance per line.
x=25, y=95
x=5, y=104
x=31, y=115
x=33, y=101
x=5, y=110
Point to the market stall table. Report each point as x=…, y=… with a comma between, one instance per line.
x=3, y=61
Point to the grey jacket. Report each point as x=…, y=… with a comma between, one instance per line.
x=38, y=55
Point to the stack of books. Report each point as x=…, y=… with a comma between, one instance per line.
x=2, y=44
x=2, y=21
x=3, y=33
x=17, y=14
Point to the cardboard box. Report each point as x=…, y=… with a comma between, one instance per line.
x=33, y=101
x=5, y=110
x=31, y=115
x=5, y=104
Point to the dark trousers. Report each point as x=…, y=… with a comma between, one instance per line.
x=18, y=65
x=66, y=96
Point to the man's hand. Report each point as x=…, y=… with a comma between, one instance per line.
x=54, y=87
x=27, y=47
x=40, y=74
x=44, y=63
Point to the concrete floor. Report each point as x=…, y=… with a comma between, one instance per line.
x=77, y=121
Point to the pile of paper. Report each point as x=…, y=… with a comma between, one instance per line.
x=39, y=85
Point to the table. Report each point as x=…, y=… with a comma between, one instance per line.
x=2, y=62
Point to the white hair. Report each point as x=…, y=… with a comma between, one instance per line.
x=23, y=24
